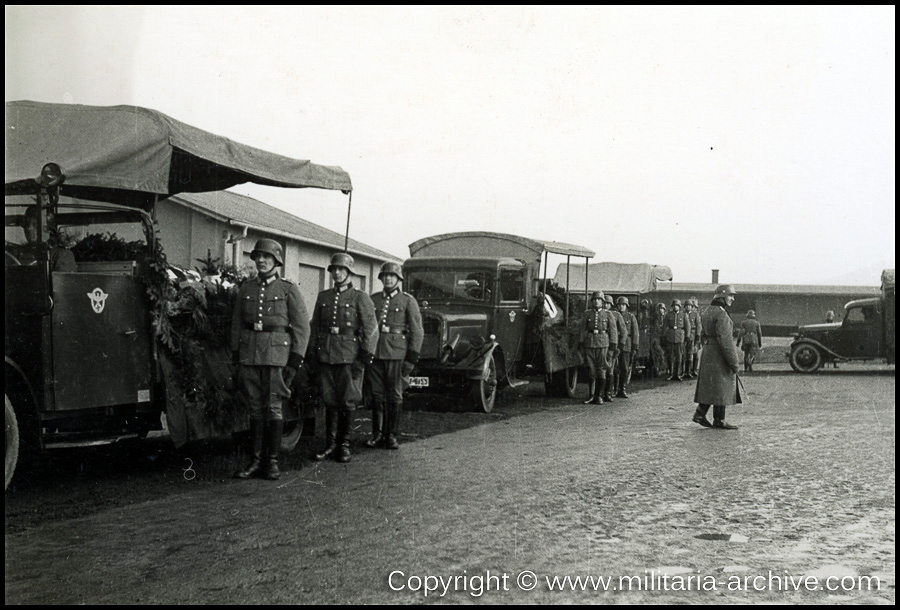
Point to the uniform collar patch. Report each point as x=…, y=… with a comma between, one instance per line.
x=345, y=287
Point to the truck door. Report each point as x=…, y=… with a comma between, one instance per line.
x=100, y=329
x=860, y=334
x=510, y=324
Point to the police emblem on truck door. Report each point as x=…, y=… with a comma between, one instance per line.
x=98, y=300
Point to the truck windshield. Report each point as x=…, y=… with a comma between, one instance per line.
x=450, y=284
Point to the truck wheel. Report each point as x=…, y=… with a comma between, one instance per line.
x=290, y=435
x=12, y=442
x=565, y=382
x=484, y=391
x=805, y=358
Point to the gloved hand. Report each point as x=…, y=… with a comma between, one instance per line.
x=406, y=368
x=287, y=374
x=358, y=368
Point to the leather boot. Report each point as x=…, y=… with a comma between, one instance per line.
x=330, y=435
x=342, y=452
x=700, y=416
x=607, y=397
x=256, y=437
x=377, y=435
x=274, y=429
x=719, y=418
x=392, y=426
x=591, y=385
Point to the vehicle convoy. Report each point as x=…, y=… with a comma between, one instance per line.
x=866, y=333
x=489, y=318
x=82, y=359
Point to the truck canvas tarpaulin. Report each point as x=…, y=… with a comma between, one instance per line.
x=133, y=156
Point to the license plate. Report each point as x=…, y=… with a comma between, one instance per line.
x=418, y=382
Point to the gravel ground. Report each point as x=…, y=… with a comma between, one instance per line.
x=803, y=491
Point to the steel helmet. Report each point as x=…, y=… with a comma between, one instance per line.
x=391, y=267
x=645, y=303
x=622, y=301
x=608, y=298
x=751, y=314
x=661, y=306
x=725, y=290
x=597, y=294
x=341, y=259
x=269, y=246
x=676, y=302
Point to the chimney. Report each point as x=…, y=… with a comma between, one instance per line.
x=715, y=276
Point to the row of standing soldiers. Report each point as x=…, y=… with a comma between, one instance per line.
x=610, y=341
x=359, y=345
x=674, y=338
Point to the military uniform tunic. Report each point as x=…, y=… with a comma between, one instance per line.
x=400, y=337
x=677, y=328
x=269, y=331
x=597, y=330
x=343, y=331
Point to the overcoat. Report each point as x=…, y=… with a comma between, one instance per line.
x=751, y=336
x=717, y=381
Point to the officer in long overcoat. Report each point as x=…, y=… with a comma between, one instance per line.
x=596, y=330
x=269, y=335
x=657, y=340
x=344, y=335
x=400, y=337
x=717, y=383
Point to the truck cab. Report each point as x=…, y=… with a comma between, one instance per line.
x=861, y=335
x=486, y=317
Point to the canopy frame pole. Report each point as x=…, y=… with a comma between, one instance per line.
x=347, y=234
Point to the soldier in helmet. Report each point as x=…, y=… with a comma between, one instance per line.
x=677, y=328
x=657, y=340
x=750, y=340
x=692, y=341
x=717, y=383
x=628, y=349
x=616, y=340
x=344, y=336
x=597, y=329
x=400, y=338
x=269, y=335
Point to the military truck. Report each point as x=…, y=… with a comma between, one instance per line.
x=82, y=361
x=489, y=317
x=866, y=333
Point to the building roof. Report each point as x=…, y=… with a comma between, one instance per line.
x=704, y=288
x=242, y=210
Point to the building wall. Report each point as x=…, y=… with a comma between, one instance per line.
x=188, y=235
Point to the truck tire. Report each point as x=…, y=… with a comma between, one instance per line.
x=805, y=358
x=12, y=442
x=564, y=383
x=290, y=435
x=484, y=391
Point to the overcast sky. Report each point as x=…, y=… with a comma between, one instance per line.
x=758, y=141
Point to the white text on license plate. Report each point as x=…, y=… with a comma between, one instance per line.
x=418, y=382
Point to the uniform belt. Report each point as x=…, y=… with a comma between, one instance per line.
x=338, y=330
x=266, y=328
x=394, y=330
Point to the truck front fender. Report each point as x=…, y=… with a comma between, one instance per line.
x=818, y=345
x=474, y=362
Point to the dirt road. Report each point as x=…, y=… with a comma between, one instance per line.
x=803, y=491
